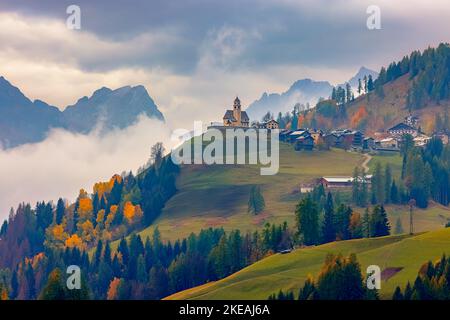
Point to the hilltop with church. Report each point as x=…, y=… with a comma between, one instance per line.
x=236, y=117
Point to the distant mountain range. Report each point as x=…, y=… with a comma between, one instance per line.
x=25, y=121
x=305, y=91
x=363, y=71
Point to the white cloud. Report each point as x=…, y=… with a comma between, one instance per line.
x=65, y=162
x=49, y=40
x=223, y=47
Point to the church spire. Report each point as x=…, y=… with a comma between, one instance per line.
x=237, y=103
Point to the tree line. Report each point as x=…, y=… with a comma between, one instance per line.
x=425, y=175
x=319, y=220
x=432, y=283
x=340, y=278
x=116, y=207
x=137, y=269
x=429, y=70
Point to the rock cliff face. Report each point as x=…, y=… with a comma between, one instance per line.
x=25, y=121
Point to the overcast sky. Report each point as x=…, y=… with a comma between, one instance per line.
x=193, y=56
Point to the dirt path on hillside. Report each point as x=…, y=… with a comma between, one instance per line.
x=366, y=162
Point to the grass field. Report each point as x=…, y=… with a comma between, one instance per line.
x=217, y=195
x=432, y=218
x=289, y=271
x=393, y=159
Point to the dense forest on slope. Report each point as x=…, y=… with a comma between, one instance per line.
x=425, y=176
x=418, y=84
x=115, y=208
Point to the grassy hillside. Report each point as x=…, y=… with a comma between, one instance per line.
x=393, y=159
x=289, y=271
x=217, y=195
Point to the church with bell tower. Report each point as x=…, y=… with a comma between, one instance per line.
x=236, y=117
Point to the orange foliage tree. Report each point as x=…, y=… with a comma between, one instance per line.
x=358, y=116
x=85, y=208
x=113, y=289
x=74, y=241
x=105, y=187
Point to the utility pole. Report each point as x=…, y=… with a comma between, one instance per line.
x=412, y=203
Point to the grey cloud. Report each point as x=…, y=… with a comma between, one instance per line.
x=321, y=33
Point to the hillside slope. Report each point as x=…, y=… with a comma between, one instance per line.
x=417, y=84
x=384, y=112
x=374, y=113
x=289, y=271
x=217, y=196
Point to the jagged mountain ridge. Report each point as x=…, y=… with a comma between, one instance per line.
x=305, y=91
x=25, y=121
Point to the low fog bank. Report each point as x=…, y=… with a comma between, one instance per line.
x=66, y=162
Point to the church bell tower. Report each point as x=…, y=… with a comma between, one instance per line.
x=237, y=111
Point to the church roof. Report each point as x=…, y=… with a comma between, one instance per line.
x=229, y=115
x=244, y=116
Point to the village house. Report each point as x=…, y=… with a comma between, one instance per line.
x=271, y=124
x=358, y=138
x=421, y=140
x=402, y=129
x=305, y=142
x=284, y=135
x=344, y=138
x=236, y=117
x=341, y=182
x=296, y=134
x=389, y=143
x=368, y=143
x=330, y=139
x=317, y=135
x=336, y=182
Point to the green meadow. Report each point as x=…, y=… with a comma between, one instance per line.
x=217, y=195
x=289, y=271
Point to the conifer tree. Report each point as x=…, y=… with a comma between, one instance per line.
x=54, y=289
x=394, y=196
x=256, y=202
x=366, y=223
x=328, y=230
x=307, y=217
x=60, y=210
x=387, y=183
x=379, y=222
